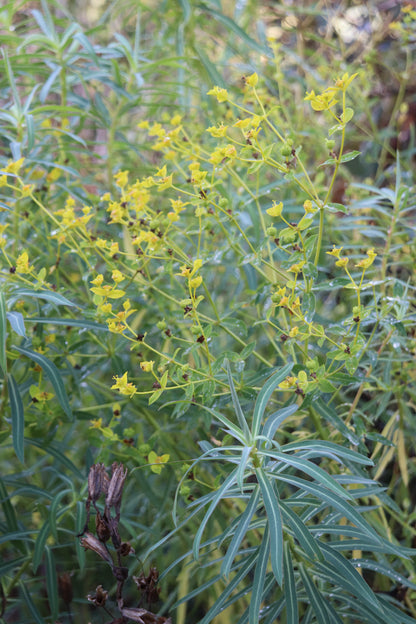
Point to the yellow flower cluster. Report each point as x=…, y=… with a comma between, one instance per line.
x=69, y=217
x=327, y=99
x=123, y=386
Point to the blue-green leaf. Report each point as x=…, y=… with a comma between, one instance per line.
x=271, y=504
x=218, y=604
x=240, y=532
x=330, y=415
x=9, y=566
x=53, y=511
x=84, y=323
x=329, y=449
x=8, y=509
x=381, y=568
x=275, y=420
x=17, y=323
x=233, y=429
x=3, y=334
x=259, y=578
x=40, y=546
x=31, y=605
x=301, y=533
x=18, y=419
x=42, y=294
x=265, y=394
x=51, y=582
x=58, y=454
x=237, y=407
x=25, y=536
x=310, y=469
x=292, y=616
x=53, y=373
x=347, y=570
x=315, y=597
x=333, y=500
x=216, y=497
x=242, y=34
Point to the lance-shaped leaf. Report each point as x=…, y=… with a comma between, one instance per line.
x=290, y=588
x=53, y=373
x=216, y=497
x=275, y=420
x=17, y=322
x=315, y=597
x=41, y=294
x=3, y=334
x=259, y=578
x=315, y=472
x=237, y=407
x=265, y=394
x=240, y=532
x=18, y=420
x=271, y=503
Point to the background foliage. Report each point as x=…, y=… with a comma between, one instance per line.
x=290, y=424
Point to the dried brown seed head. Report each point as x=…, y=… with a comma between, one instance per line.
x=100, y=596
x=102, y=528
x=115, y=487
x=97, y=482
x=90, y=542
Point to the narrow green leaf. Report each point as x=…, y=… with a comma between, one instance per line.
x=393, y=615
x=329, y=449
x=271, y=504
x=9, y=566
x=384, y=569
x=336, y=578
x=233, y=429
x=42, y=294
x=333, y=500
x=59, y=455
x=330, y=415
x=240, y=533
x=217, y=607
x=3, y=334
x=30, y=604
x=216, y=497
x=347, y=570
x=8, y=509
x=17, y=323
x=315, y=597
x=292, y=615
x=186, y=9
x=51, y=582
x=315, y=472
x=80, y=518
x=237, y=407
x=25, y=536
x=274, y=421
x=245, y=456
x=235, y=28
x=54, y=376
x=265, y=394
x=301, y=532
x=40, y=546
x=215, y=77
x=18, y=418
x=53, y=509
x=11, y=82
x=84, y=323
x=259, y=578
